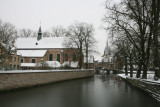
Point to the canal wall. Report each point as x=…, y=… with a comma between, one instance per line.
x=19, y=79
x=151, y=88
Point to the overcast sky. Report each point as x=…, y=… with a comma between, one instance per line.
x=29, y=13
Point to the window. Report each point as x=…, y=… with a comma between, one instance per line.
x=66, y=57
x=10, y=65
x=33, y=61
x=50, y=57
x=14, y=66
x=10, y=58
x=15, y=59
x=58, y=57
x=21, y=60
x=17, y=66
x=74, y=57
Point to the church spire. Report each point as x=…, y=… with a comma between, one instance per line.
x=107, y=43
x=39, y=33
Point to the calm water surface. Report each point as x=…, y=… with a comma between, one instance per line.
x=97, y=91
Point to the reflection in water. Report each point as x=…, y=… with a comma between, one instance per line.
x=97, y=91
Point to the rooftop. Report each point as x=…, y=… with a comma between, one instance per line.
x=32, y=53
x=44, y=43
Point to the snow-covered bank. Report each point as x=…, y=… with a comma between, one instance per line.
x=150, y=78
x=149, y=85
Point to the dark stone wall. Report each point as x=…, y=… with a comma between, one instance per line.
x=151, y=88
x=13, y=80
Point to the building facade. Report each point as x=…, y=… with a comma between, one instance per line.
x=35, y=51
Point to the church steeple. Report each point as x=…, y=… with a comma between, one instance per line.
x=39, y=34
x=107, y=49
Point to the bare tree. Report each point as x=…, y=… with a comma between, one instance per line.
x=58, y=31
x=155, y=26
x=7, y=33
x=80, y=35
x=89, y=42
x=26, y=33
x=5, y=51
x=132, y=18
x=76, y=39
x=46, y=34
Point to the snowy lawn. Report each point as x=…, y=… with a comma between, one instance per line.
x=150, y=77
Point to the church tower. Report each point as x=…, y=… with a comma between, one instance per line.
x=107, y=50
x=39, y=34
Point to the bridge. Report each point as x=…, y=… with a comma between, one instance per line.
x=107, y=71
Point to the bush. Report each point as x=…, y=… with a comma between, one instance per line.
x=66, y=67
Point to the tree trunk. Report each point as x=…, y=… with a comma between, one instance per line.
x=156, y=14
x=80, y=56
x=86, y=56
x=139, y=69
x=126, y=65
x=144, y=75
x=131, y=67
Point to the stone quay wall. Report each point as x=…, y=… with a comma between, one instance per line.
x=151, y=88
x=10, y=80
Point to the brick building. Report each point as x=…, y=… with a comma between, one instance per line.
x=9, y=57
x=35, y=51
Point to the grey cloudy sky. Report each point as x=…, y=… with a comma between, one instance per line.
x=28, y=13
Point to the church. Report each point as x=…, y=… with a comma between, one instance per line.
x=35, y=51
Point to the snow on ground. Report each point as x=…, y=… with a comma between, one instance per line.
x=150, y=77
x=73, y=64
x=53, y=63
x=28, y=64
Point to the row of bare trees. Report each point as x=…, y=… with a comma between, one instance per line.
x=8, y=32
x=57, y=31
x=134, y=26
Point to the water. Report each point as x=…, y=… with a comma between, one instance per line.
x=97, y=91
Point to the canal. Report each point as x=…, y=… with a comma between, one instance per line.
x=97, y=91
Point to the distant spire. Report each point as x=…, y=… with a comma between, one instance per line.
x=107, y=43
x=39, y=33
x=107, y=49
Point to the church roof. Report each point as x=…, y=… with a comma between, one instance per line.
x=32, y=53
x=44, y=43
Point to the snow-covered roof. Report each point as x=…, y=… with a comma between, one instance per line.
x=73, y=64
x=28, y=64
x=32, y=53
x=53, y=63
x=44, y=43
